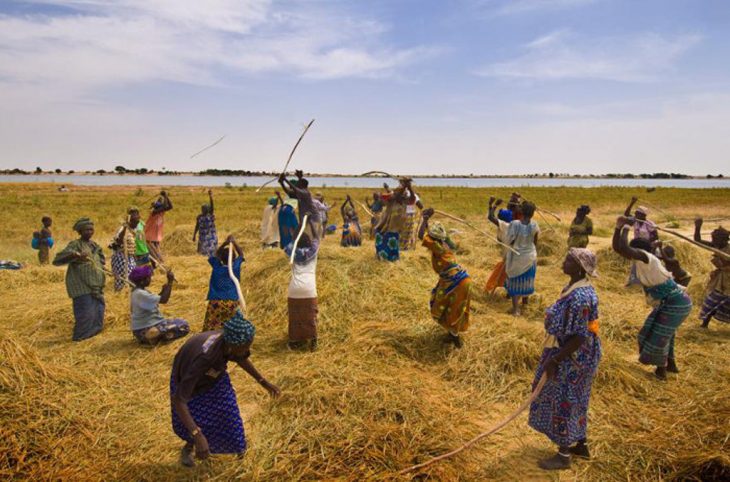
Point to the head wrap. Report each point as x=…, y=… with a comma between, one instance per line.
x=720, y=231
x=643, y=210
x=82, y=223
x=273, y=201
x=505, y=215
x=437, y=231
x=132, y=209
x=586, y=259
x=139, y=273
x=238, y=330
x=157, y=204
x=584, y=208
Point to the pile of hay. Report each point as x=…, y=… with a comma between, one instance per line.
x=383, y=391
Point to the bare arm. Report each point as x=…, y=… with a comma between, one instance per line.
x=251, y=370
x=627, y=213
x=426, y=215
x=342, y=210
x=570, y=346
x=620, y=243
x=490, y=212
x=168, y=203
x=698, y=233
x=210, y=196
x=286, y=185
x=197, y=226
x=167, y=288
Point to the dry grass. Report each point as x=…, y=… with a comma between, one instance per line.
x=382, y=392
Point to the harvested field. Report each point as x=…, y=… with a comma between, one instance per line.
x=382, y=392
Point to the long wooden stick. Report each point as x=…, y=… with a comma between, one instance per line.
x=291, y=154
x=550, y=227
x=299, y=236
x=451, y=216
x=111, y=273
x=366, y=209
x=158, y=263
x=489, y=432
x=231, y=275
x=539, y=209
x=722, y=254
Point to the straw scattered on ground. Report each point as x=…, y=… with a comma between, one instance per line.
x=383, y=392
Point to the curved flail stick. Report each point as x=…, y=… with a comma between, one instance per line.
x=365, y=208
x=291, y=154
x=489, y=432
x=451, y=216
x=299, y=236
x=231, y=275
x=208, y=147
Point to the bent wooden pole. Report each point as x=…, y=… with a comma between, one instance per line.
x=451, y=216
x=299, y=236
x=489, y=432
x=291, y=154
x=231, y=275
x=716, y=251
x=366, y=209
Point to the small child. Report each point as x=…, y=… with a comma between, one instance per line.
x=666, y=254
x=43, y=239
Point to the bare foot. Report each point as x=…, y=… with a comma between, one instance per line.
x=186, y=456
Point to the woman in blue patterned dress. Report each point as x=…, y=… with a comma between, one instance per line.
x=205, y=229
x=569, y=360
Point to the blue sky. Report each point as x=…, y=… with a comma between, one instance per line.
x=461, y=86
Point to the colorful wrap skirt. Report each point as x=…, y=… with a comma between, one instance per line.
x=407, y=235
x=118, y=268
x=656, y=337
x=497, y=278
x=716, y=305
x=351, y=235
x=387, y=246
x=218, y=312
x=166, y=330
x=522, y=285
x=216, y=413
x=302, y=319
x=451, y=299
x=561, y=410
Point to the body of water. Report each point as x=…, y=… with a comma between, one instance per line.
x=364, y=182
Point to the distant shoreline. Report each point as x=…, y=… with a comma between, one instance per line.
x=227, y=173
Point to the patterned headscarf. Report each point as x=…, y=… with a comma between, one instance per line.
x=272, y=201
x=82, y=223
x=139, y=273
x=586, y=259
x=437, y=231
x=238, y=330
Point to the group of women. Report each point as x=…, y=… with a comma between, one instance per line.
x=204, y=409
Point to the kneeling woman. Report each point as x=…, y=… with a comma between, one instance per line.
x=670, y=301
x=148, y=324
x=450, y=299
x=570, y=359
x=204, y=408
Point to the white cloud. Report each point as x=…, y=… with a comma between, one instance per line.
x=95, y=44
x=562, y=55
x=517, y=7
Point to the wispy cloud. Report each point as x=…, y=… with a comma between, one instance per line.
x=516, y=7
x=563, y=55
x=82, y=45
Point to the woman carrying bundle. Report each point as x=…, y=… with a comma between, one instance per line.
x=451, y=297
x=351, y=232
x=569, y=359
x=205, y=228
x=302, y=294
x=717, y=294
x=148, y=325
x=205, y=411
x=580, y=228
x=670, y=301
x=521, y=267
x=222, y=294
